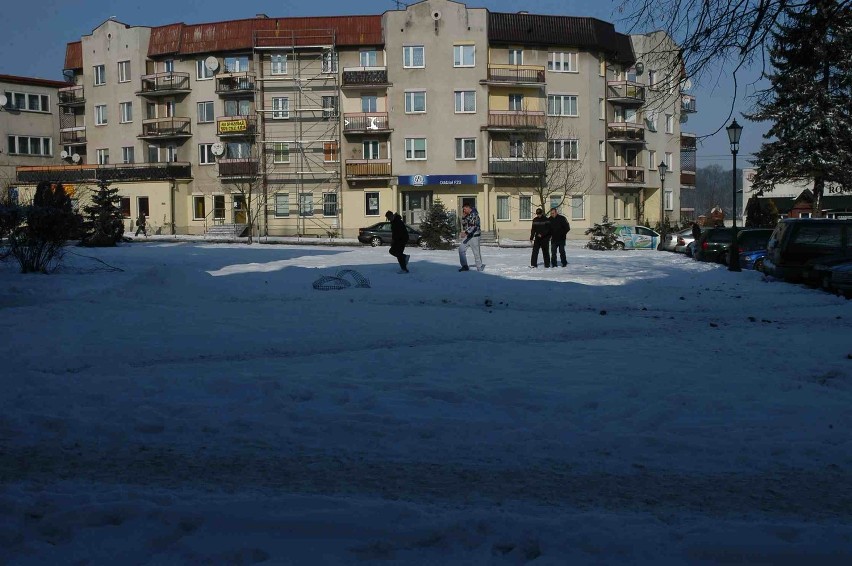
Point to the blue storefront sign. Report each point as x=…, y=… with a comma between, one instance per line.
x=423, y=180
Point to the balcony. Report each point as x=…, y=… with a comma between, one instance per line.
x=687, y=142
x=165, y=128
x=517, y=167
x=368, y=168
x=71, y=96
x=235, y=84
x=236, y=126
x=365, y=77
x=625, y=132
x=164, y=84
x=625, y=176
x=510, y=120
x=687, y=178
x=516, y=75
x=625, y=92
x=687, y=104
x=366, y=123
x=95, y=173
x=72, y=136
x=245, y=168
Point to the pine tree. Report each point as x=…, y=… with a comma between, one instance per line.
x=104, y=223
x=602, y=236
x=438, y=227
x=809, y=99
x=761, y=214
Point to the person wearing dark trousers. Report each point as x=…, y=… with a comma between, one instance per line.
x=140, y=225
x=399, y=237
x=559, y=228
x=540, y=237
x=696, y=231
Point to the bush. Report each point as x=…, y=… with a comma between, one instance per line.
x=47, y=225
x=438, y=228
x=602, y=236
x=104, y=223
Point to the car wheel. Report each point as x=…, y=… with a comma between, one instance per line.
x=619, y=245
x=758, y=265
x=375, y=241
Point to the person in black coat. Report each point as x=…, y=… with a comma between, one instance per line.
x=696, y=231
x=540, y=237
x=559, y=228
x=399, y=237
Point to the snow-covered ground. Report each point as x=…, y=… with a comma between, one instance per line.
x=207, y=405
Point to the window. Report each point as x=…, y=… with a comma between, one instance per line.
x=124, y=206
x=331, y=152
x=368, y=57
x=415, y=101
x=240, y=107
x=601, y=151
x=669, y=200
x=171, y=153
x=306, y=204
x=205, y=112
x=329, y=204
x=329, y=106
x=100, y=75
x=124, y=71
x=415, y=148
x=142, y=206
x=370, y=149
x=202, y=73
x=562, y=62
x=616, y=207
x=205, y=154
x=516, y=102
x=282, y=205
x=28, y=145
x=237, y=150
x=652, y=160
x=127, y=155
x=237, y=64
x=100, y=115
x=125, y=112
x=651, y=121
x=503, y=208
x=669, y=124
x=516, y=56
x=556, y=202
x=369, y=103
x=371, y=204
x=652, y=78
x=669, y=161
x=280, y=152
x=219, y=207
x=577, y=212
x=278, y=64
x=35, y=102
x=103, y=156
x=198, y=208
x=465, y=101
x=151, y=110
x=563, y=149
x=516, y=147
x=465, y=148
x=562, y=105
x=601, y=109
x=464, y=55
x=525, y=208
x=280, y=108
x=602, y=66
x=20, y=101
x=413, y=57
x=153, y=154
x=329, y=62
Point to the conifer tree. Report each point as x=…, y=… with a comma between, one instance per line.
x=104, y=223
x=437, y=228
x=602, y=236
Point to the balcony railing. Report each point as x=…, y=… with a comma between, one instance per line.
x=625, y=132
x=625, y=175
x=93, y=173
x=164, y=128
x=514, y=120
x=687, y=141
x=235, y=84
x=366, y=122
x=625, y=92
x=687, y=178
x=71, y=96
x=687, y=103
x=365, y=76
x=516, y=166
x=72, y=136
x=516, y=74
x=239, y=167
x=368, y=168
x=161, y=84
x=235, y=126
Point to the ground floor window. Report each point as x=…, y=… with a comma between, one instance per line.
x=616, y=207
x=306, y=204
x=125, y=207
x=329, y=204
x=198, y=212
x=503, y=208
x=669, y=200
x=142, y=205
x=577, y=211
x=282, y=205
x=525, y=208
x=556, y=202
x=371, y=204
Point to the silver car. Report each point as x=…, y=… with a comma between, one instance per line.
x=678, y=241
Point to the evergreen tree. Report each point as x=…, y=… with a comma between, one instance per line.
x=438, y=227
x=602, y=236
x=809, y=99
x=45, y=227
x=104, y=223
x=761, y=214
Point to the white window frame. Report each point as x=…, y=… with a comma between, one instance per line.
x=102, y=156
x=205, y=154
x=195, y=200
x=463, y=51
x=280, y=108
x=99, y=75
x=124, y=71
x=377, y=208
x=652, y=160
x=334, y=153
x=282, y=205
x=410, y=99
x=578, y=211
x=203, y=114
x=371, y=149
x=278, y=64
x=330, y=110
x=408, y=52
x=131, y=152
x=326, y=202
x=202, y=73
x=516, y=102
x=668, y=196
x=670, y=160
x=125, y=112
x=504, y=199
x=329, y=62
x=557, y=149
x=602, y=108
x=280, y=152
x=101, y=115
x=411, y=149
x=461, y=98
x=22, y=146
x=669, y=124
x=517, y=147
x=601, y=151
x=563, y=61
x=516, y=56
x=368, y=57
x=565, y=105
x=461, y=146
x=529, y=208
x=306, y=204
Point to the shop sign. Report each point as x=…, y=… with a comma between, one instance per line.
x=233, y=126
x=423, y=180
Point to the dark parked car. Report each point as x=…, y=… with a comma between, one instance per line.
x=798, y=245
x=752, y=245
x=380, y=234
x=836, y=275
x=714, y=244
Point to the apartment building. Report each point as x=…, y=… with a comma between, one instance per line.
x=29, y=122
x=317, y=126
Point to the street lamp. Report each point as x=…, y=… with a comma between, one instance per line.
x=662, y=167
x=734, y=133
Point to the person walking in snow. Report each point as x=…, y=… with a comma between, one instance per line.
x=559, y=228
x=399, y=238
x=470, y=238
x=140, y=225
x=540, y=237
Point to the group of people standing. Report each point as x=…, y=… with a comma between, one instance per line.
x=548, y=235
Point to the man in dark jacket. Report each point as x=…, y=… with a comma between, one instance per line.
x=399, y=237
x=540, y=237
x=559, y=229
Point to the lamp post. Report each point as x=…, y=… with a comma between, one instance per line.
x=734, y=133
x=663, y=168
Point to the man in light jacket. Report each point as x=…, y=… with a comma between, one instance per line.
x=470, y=238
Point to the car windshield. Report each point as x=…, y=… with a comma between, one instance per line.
x=721, y=236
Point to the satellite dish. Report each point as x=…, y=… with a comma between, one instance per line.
x=640, y=68
x=687, y=84
x=436, y=15
x=684, y=118
x=217, y=149
x=75, y=158
x=212, y=64
x=64, y=154
x=3, y=100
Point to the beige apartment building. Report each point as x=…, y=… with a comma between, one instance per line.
x=317, y=126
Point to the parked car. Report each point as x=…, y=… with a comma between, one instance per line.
x=677, y=241
x=380, y=233
x=713, y=245
x=752, y=246
x=798, y=245
x=836, y=276
x=636, y=237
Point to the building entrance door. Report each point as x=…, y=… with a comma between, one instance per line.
x=414, y=206
x=239, y=209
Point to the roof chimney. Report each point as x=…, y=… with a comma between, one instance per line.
x=263, y=16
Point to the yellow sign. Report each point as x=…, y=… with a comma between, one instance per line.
x=233, y=125
x=70, y=190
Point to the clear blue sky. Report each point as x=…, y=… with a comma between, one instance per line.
x=35, y=34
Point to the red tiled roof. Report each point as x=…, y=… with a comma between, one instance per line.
x=14, y=79
x=74, y=55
